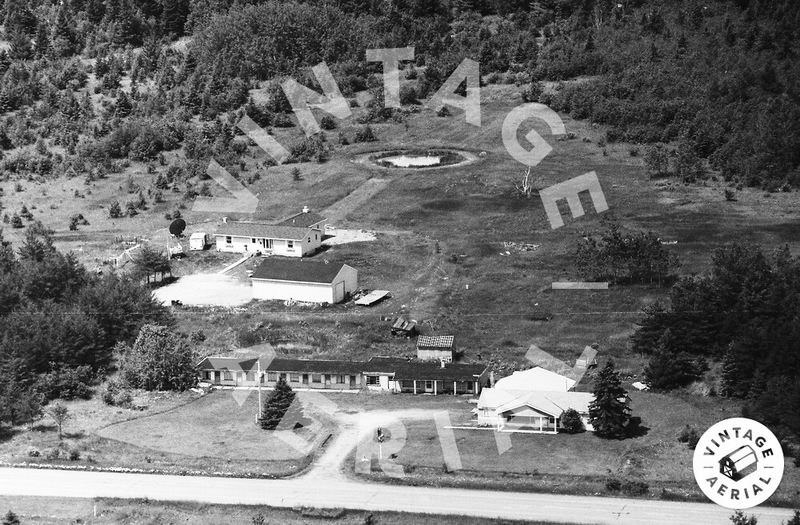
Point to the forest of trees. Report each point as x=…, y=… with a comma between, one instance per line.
x=59, y=324
x=745, y=314
x=717, y=83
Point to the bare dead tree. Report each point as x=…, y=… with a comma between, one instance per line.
x=528, y=185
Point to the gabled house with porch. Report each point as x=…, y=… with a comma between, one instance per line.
x=531, y=400
x=530, y=411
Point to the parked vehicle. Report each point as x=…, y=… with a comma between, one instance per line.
x=199, y=241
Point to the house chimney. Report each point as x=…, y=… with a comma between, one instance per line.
x=305, y=209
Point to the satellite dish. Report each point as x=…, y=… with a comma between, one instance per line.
x=177, y=227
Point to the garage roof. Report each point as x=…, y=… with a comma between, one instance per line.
x=299, y=271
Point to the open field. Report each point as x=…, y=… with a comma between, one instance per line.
x=439, y=250
x=578, y=464
x=56, y=511
x=214, y=434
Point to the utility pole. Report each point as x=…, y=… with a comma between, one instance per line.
x=258, y=379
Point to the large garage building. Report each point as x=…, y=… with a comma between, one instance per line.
x=304, y=281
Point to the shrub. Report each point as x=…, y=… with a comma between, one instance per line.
x=53, y=453
x=408, y=95
x=365, y=134
x=33, y=452
x=532, y=92
x=74, y=454
x=730, y=195
x=443, y=112
x=114, y=210
x=613, y=484
x=571, y=422
x=66, y=383
x=327, y=122
x=635, y=488
x=16, y=221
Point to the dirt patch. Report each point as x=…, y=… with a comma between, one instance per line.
x=206, y=290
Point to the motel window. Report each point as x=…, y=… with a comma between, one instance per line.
x=227, y=376
x=253, y=240
x=316, y=378
x=294, y=378
x=228, y=239
x=372, y=380
x=208, y=374
x=316, y=236
x=272, y=376
x=407, y=383
x=290, y=245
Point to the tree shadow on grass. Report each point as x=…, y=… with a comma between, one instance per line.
x=7, y=432
x=80, y=434
x=636, y=428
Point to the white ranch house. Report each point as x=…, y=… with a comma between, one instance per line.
x=304, y=281
x=531, y=401
x=297, y=236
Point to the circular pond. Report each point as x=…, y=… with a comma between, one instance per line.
x=418, y=158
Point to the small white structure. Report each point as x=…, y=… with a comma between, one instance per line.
x=304, y=281
x=199, y=241
x=435, y=348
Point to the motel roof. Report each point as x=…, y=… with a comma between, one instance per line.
x=250, y=364
x=402, y=369
x=262, y=230
x=303, y=271
x=423, y=370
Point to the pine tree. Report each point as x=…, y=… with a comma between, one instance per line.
x=609, y=413
x=10, y=519
x=174, y=16
x=42, y=45
x=276, y=405
x=123, y=106
x=64, y=40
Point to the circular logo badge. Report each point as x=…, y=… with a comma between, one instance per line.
x=738, y=463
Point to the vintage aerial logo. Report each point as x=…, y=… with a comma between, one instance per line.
x=738, y=463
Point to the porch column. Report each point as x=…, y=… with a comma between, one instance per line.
x=541, y=427
x=434, y=386
x=415, y=387
x=455, y=388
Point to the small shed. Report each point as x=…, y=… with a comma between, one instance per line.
x=435, y=347
x=403, y=327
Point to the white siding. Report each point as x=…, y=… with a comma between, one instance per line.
x=268, y=290
x=299, y=248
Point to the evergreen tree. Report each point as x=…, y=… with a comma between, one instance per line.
x=10, y=519
x=64, y=38
x=276, y=405
x=609, y=412
x=174, y=16
x=42, y=45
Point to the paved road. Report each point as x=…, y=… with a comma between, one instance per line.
x=324, y=485
x=310, y=491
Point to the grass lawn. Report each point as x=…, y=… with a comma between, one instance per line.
x=216, y=433
x=53, y=511
x=579, y=463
